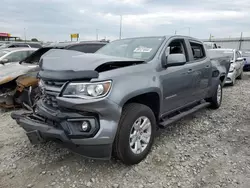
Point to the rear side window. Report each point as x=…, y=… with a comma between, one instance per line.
x=86, y=48
x=17, y=56
x=197, y=50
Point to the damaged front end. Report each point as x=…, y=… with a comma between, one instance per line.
x=18, y=92
x=7, y=91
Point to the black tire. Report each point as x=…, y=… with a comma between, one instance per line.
x=131, y=112
x=240, y=76
x=215, y=102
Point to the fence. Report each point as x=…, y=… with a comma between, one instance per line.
x=234, y=43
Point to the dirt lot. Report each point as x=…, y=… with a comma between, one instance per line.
x=208, y=149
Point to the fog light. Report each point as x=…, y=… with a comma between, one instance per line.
x=85, y=126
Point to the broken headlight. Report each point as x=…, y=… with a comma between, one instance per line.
x=87, y=90
x=232, y=67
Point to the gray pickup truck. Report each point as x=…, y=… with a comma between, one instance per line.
x=112, y=102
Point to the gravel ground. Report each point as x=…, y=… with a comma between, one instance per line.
x=207, y=149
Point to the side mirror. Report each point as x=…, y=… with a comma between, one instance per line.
x=3, y=61
x=175, y=60
x=239, y=59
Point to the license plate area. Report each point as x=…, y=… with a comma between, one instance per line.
x=34, y=137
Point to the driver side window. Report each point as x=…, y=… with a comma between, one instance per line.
x=177, y=47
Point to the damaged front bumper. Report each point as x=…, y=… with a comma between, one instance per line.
x=50, y=124
x=16, y=92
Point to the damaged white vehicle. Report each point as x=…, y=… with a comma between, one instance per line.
x=12, y=71
x=10, y=55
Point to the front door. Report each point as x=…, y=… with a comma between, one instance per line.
x=176, y=81
x=238, y=63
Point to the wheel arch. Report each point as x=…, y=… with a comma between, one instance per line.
x=150, y=98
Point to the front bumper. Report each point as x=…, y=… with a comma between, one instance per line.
x=63, y=125
x=231, y=76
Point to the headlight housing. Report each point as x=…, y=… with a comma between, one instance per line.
x=87, y=90
x=231, y=68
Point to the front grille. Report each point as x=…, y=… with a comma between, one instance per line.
x=51, y=91
x=54, y=84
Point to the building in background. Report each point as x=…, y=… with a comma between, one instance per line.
x=8, y=37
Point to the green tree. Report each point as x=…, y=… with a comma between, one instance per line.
x=34, y=40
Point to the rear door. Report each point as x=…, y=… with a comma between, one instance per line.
x=201, y=69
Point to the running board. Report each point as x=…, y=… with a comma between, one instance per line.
x=183, y=114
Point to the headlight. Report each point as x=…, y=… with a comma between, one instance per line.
x=87, y=90
x=231, y=68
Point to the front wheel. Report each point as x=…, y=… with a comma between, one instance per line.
x=216, y=99
x=135, y=134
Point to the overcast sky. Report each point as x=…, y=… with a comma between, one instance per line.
x=54, y=20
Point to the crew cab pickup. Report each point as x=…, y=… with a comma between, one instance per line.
x=112, y=102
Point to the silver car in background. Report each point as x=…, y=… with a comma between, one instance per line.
x=10, y=55
x=236, y=66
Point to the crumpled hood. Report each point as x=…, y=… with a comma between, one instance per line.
x=13, y=70
x=68, y=60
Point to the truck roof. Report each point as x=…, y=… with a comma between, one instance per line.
x=165, y=36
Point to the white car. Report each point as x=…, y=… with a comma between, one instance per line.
x=236, y=66
x=11, y=55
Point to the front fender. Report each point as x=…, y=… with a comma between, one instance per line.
x=125, y=89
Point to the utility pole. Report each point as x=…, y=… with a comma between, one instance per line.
x=24, y=34
x=175, y=32
x=120, y=26
x=97, y=34
x=240, y=40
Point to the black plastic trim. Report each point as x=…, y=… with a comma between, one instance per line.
x=69, y=75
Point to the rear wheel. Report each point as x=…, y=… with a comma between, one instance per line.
x=216, y=99
x=135, y=134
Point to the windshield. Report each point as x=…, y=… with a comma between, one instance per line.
x=3, y=52
x=137, y=48
x=221, y=53
x=246, y=54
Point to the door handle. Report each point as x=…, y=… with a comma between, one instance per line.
x=208, y=66
x=190, y=70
